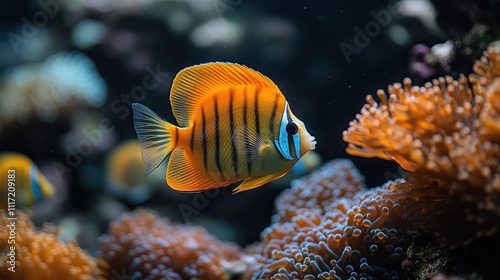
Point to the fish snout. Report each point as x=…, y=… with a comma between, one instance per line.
x=311, y=142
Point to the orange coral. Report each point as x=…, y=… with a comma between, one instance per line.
x=334, y=180
x=41, y=255
x=144, y=246
x=446, y=133
x=359, y=237
x=486, y=82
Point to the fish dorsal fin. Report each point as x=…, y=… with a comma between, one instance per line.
x=193, y=84
x=255, y=182
x=184, y=176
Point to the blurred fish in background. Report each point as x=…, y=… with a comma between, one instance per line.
x=22, y=185
x=125, y=174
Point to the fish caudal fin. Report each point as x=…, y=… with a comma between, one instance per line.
x=155, y=136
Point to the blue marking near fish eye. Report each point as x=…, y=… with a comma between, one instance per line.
x=296, y=144
x=276, y=143
x=35, y=186
x=282, y=144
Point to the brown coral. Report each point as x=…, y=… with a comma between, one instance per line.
x=358, y=237
x=446, y=133
x=144, y=246
x=40, y=254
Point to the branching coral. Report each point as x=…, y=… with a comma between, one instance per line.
x=40, y=255
x=144, y=246
x=447, y=134
x=359, y=238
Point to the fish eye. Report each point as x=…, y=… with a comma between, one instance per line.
x=291, y=128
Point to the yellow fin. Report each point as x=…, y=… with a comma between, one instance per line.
x=182, y=174
x=255, y=182
x=193, y=84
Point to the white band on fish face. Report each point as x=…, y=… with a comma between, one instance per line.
x=283, y=143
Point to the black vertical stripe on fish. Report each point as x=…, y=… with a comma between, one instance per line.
x=273, y=114
x=245, y=133
x=176, y=139
x=191, y=141
x=256, y=109
x=204, y=137
x=290, y=120
x=217, y=137
x=234, y=152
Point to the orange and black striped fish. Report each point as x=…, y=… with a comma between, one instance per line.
x=235, y=124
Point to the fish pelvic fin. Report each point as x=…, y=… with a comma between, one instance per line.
x=155, y=136
x=256, y=182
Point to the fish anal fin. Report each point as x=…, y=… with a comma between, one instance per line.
x=184, y=176
x=193, y=84
x=256, y=182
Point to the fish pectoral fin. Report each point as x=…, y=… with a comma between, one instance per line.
x=254, y=144
x=264, y=149
x=255, y=182
x=184, y=176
